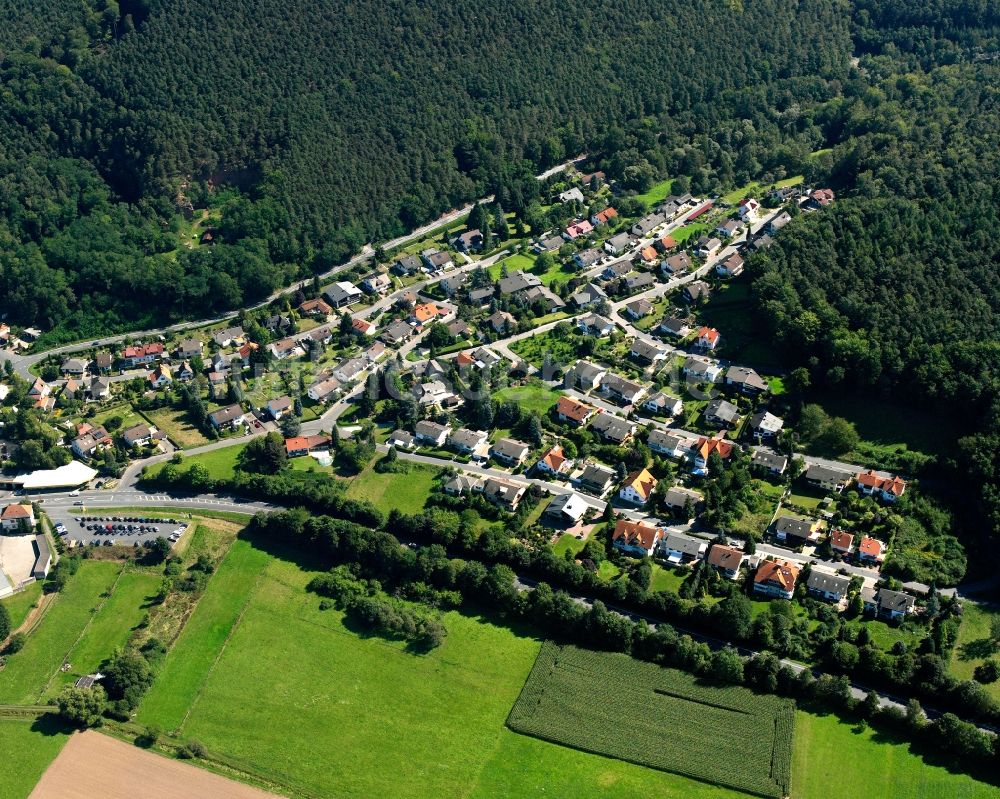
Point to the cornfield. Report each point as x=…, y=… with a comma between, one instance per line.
x=610, y=704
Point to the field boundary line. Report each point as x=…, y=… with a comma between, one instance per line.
x=110, y=593
x=222, y=649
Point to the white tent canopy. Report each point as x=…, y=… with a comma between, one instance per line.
x=72, y=475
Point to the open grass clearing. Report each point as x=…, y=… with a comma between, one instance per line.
x=535, y=397
x=406, y=490
x=657, y=193
x=177, y=426
x=974, y=644
x=221, y=463
x=20, y=604
x=24, y=679
x=28, y=746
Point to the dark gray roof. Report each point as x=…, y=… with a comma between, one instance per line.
x=831, y=583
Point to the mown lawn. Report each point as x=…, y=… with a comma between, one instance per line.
x=832, y=760
x=24, y=678
x=568, y=543
x=28, y=747
x=974, y=645
x=18, y=605
x=220, y=463
x=531, y=397
x=406, y=491
x=657, y=193
x=666, y=579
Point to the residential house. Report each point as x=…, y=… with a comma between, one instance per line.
x=548, y=244
x=141, y=354
x=481, y=297
x=374, y=352
x=402, y=439
x=324, y=390
x=281, y=349
x=701, y=371
x=548, y=298
x=782, y=195
x=426, y=312
x=635, y=538
x=229, y=417
x=463, y=484
x=571, y=195
x=303, y=445
x=502, y=322
x=518, y=281
x=509, y=451
x=705, y=447
x=678, y=549
x=625, y=390
x=726, y=560
x=341, y=294
x=431, y=433
x=618, y=244
x=888, y=489
x=459, y=329
x=639, y=281
x=469, y=241
x=363, y=326
x=18, y=518
x=638, y=487
x=761, y=243
x=596, y=478
x=648, y=254
x=376, y=283
x=646, y=352
x=664, y=443
x=99, y=388
x=397, y=333
x=769, y=462
x=592, y=177
x=613, y=429
x=827, y=478
x=796, y=532
x=728, y=229
x=433, y=392
x=279, y=407
x=722, y=413
x=103, y=362
x=677, y=498
x=189, y=348
x=505, y=493
x=617, y=269
x=573, y=411
x=161, y=376
x=318, y=308
x=823, y=585
x=594, y=325
x=577, y=229
x=585, y=375
x=229, y=337
x=821, y=198
x=663, y=403
x=842, y=542
x=141, y=435
x=765, y=426
x=467, y=441
x=567, y=508
x=637, y=309
x=554, y=462
x=677, y=264
x=708, y=338
x=278, y=323
x=406, y=266
x=585, y=259
x=89, y=440
x=730, y=267
x=673, y=327
x=778, y=222
x=696, y=291
x=775, y=579
x=870, y=550
x=749, y=210
x=665, y=244
x=71, y=388
x=746, y=380
x=74, y=366
x=888, y=604
x=648, y=224
x=587, y=296
x=708, y=246
x=217, y=384
x=608, y=215
x=437, y=261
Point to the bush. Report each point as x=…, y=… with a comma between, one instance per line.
x=191, y=749
x=15, y=644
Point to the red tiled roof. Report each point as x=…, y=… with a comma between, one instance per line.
x=554, y=458
x=723, y=557
x=772, y=571
x=572, y=409
x=841, y=539
x=300, y=443
x=635, y=534
x=16, y=512
x=870, y=546
x=706, y=446
x=642, y=482
x=708, y=333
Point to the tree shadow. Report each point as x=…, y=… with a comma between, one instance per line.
x=980, y=649
x=52, y=724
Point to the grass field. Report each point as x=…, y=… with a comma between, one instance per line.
x=531, y=397
x=21, y=603
x=27, y=673
x=657, y=193
x=405, y=491
x=178, y=428
x=220, y=463
x=610, y=704
x=757, y=189
x=834, y=761
x=974, y=645
x=568, y=543
x=28, y=747
x=109, y=628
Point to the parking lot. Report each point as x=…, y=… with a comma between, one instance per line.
x=122, y=529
